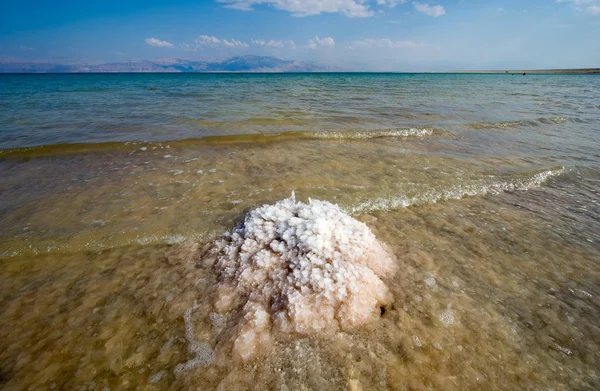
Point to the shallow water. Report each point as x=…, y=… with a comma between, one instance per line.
x=486, y=188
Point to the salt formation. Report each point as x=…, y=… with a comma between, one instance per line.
x=300, y=268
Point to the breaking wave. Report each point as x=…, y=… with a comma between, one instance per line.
x=471, y=188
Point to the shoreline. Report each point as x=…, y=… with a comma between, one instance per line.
x=581, y=71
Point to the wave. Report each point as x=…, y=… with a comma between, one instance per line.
x=256, y=121
x=147, y=147
x=357, y=206
x=467, y=189
x=364, y=135
x=515, y=124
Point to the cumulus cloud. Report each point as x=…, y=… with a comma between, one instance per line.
x=274, y=44
x=382, y=43
x=208, y=40
x=594, y=10
x=390, y=3
x=235, y=44
x=577, y=2
x=158, y=43
x=350, y=8
x=431, y=10
x=212, y=41
x=326, y=42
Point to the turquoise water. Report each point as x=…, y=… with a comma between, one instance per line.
x=56, y=109
x=485, y=190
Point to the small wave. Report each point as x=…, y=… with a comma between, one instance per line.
x=514, y=124
x=474, y=188
x=494, y=125
x=559, y=119
x=255, y=121
x=57, y=246
x=391, y=133
x=148, y=147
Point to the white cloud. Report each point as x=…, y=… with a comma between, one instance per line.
x=580, y=6
x=576, y=2
x=431, y=10
x=208, y=40
x=158, y=43
x=274, y=44
x=383, y=43
x=390, y=3
x=212, y=41
x=350, y=8
x=499, y=10
x=326, y=42
x=235, y=44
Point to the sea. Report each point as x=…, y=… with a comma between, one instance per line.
x=484, y=187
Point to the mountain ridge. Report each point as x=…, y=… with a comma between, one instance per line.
x=248, y=63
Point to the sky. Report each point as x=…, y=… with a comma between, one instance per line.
x=376, y=35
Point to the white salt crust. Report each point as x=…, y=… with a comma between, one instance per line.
x=300, y=268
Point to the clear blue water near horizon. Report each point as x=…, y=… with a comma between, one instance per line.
x=82, y=108
x=484, y=187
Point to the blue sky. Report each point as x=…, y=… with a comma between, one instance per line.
x=354, y=34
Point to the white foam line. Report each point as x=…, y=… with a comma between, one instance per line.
x=412, y=132
x=454, y=193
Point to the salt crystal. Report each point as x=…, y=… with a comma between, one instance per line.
x=322, y=267
x=447, y=317
x=417, y=342
x=430, y=282
x=156, y=377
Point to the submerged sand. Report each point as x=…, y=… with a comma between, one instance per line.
x=487, y=237
x=505, y=311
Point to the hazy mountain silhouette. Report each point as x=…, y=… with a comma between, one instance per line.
x=248, y=63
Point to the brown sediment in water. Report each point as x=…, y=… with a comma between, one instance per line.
x=495, y=260
x=251, y=138
x=90, y=202
x=503, y=311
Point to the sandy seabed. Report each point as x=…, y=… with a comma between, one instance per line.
x=486, y=296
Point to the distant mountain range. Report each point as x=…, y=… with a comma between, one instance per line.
x=233, y=64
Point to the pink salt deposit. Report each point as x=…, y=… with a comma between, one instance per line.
x=293, y=267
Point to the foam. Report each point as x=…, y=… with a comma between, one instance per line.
x=203, y=351
x=466, y=189
x=370, y=134
x=299, y=268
